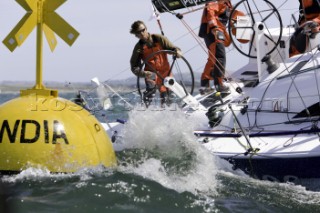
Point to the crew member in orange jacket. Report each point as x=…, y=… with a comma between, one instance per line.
x=148, y=44
x=309, y=16
x=213, y=30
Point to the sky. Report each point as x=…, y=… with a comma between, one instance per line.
x=104, y=46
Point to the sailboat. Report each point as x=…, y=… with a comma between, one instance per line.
x=267, y=124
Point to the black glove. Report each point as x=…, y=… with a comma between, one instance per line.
x=136, y=70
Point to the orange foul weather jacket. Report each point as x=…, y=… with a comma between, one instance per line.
x=215, y=16
x=158, y=62
x=309, y=11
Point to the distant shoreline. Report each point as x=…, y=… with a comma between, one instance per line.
x=123, y=85
x=16, y=86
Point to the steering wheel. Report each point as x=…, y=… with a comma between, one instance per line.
x=242, y=21
x=180, y=69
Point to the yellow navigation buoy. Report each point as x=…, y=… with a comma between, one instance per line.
x=51, y=132
x=39, y=128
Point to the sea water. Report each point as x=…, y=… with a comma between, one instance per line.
x=163, y=170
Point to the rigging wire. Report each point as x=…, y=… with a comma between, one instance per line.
x=190, y=30
x=180, y=16
x=199, y=41
x=293, y=83
x=157, y=15
x=202, y=45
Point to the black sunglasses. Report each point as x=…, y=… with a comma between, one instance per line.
x=140, y=31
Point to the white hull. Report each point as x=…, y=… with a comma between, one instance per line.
x=267, y=124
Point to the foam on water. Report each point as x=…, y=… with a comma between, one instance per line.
x=41, y=173
x=169, y=134
x=165, y=151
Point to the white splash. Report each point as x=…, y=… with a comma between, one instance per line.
x=171, y=133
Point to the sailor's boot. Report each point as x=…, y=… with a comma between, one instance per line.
x=163, y=98
x=148, y=95
x=205, y=87
x=220, y=86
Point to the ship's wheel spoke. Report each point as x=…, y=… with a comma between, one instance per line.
x=244, y=34
x=180, y=69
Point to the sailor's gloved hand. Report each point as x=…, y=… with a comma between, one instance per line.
x=314, y=27
x=311, y=28
x=219, y=36
x=178, y=53
x=146, y=74
x=136, y=71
